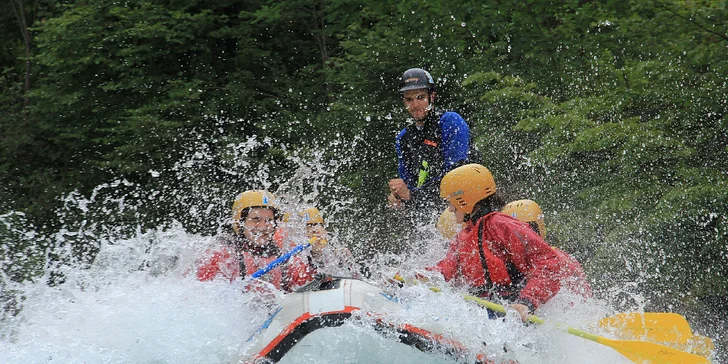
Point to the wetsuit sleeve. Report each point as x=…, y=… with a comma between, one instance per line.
x=210, y=267
x=532, y=257
x=207, y=271
x=573, y=276
x=401, y=170
x=542, y=279
x=448, y=266
x=455, y=140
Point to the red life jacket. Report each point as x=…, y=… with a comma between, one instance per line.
x=228, y=262
x=225, y=261
x=521, y=267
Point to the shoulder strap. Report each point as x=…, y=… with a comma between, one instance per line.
x=241, y=264
x=486, y=275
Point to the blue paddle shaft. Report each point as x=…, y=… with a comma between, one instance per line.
x=282, y=259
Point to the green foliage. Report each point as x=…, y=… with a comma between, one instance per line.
x=612, y=115
x=631, y=144
x=22, y=254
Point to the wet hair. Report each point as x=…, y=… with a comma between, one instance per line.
x=534, y=226
x=485, y=206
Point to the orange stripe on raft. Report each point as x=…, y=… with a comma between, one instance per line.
x=434, y=337
x=481, y=357
x=288, y=330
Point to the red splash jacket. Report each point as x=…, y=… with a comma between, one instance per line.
x=521, y=267
x=575, y=279
x=225, y=261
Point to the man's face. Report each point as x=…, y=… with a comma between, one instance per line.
x=259, y=226
x=416, y=102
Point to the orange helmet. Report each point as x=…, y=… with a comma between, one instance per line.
x=527, y=211
x=252, y=198
x=312, y=215
x=466, y=185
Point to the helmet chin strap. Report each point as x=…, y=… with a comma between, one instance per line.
x=429, y=101
x=478, y=212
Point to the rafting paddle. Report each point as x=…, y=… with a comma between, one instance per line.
x=281, y=260
x=637, y=351
x=668, y=329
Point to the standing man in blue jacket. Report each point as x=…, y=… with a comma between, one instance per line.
x=432, y=144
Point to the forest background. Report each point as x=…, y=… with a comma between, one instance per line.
x=613, y=115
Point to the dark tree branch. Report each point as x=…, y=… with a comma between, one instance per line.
x=701, y=26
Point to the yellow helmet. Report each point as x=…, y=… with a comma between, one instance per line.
x=466, y=185
x=312, y=215
x=527, y=211
x=447, y=225
x=252, y=198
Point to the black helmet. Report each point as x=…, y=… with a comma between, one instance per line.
x=414, y=79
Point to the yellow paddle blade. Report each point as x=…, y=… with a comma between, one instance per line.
x=637, y=351
x=669, y=329
x=646, y=352
x=652, y=326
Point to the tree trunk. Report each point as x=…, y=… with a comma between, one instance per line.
x=318, y=30
x=19, y=9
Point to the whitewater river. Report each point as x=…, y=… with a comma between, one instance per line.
x=115, y=312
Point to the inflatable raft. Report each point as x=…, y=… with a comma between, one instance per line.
x=314, y=315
